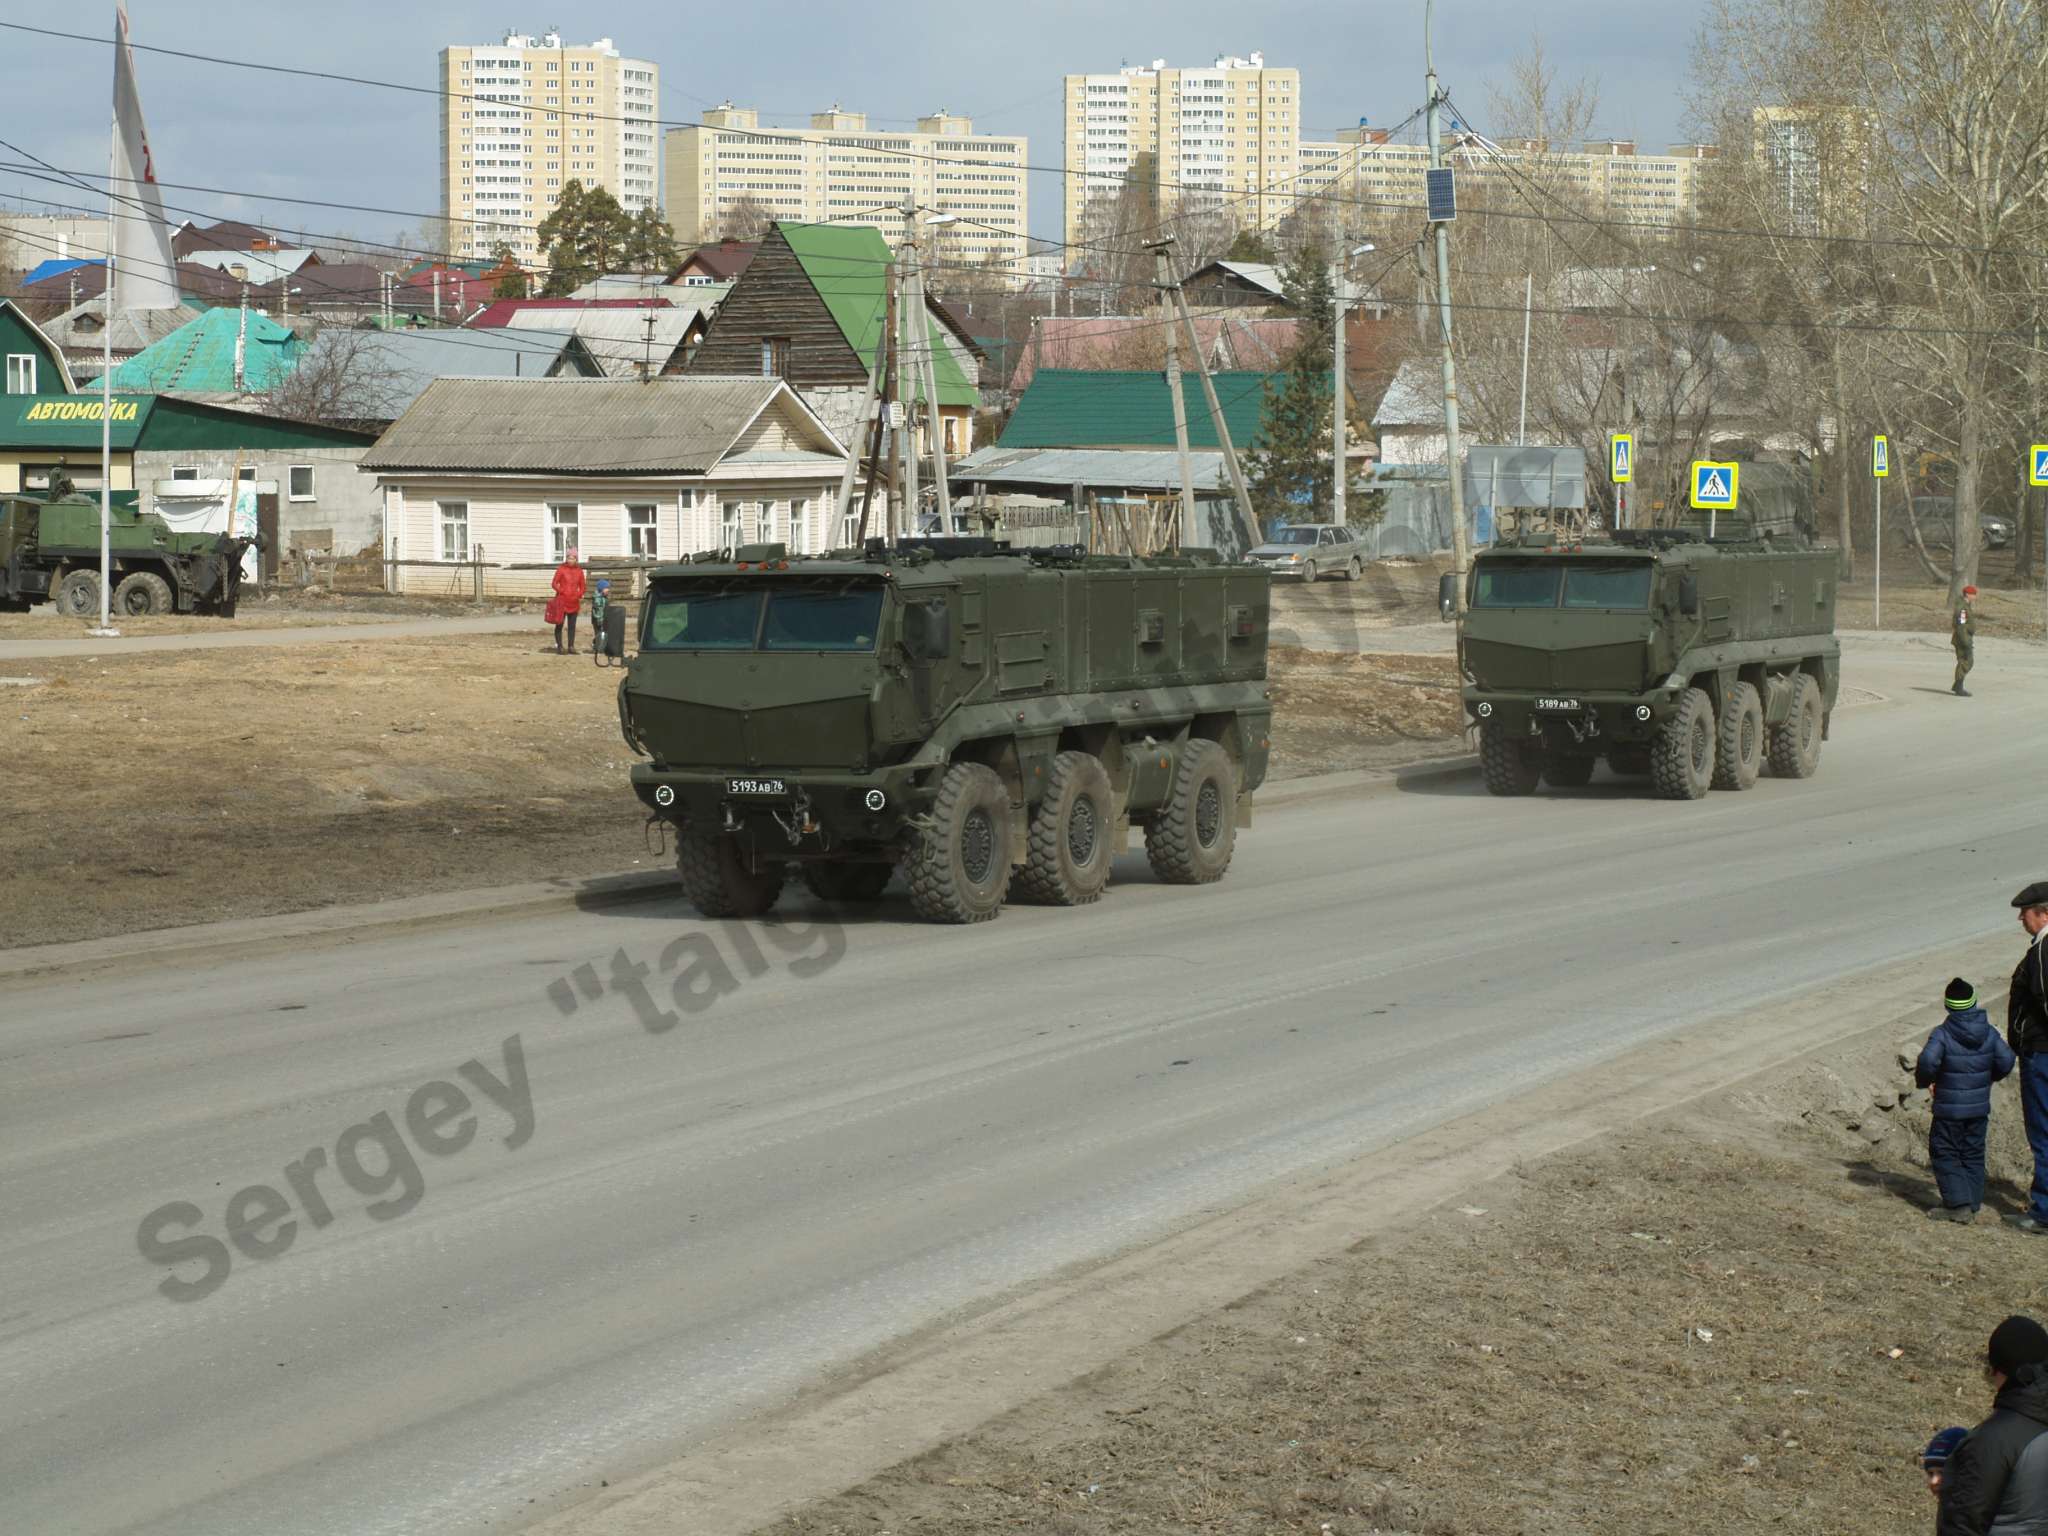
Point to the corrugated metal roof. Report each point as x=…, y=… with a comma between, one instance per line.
x=410, y=360
x=1096, y=468
x=1074, y=408
x=617, y=338
x=200, y=355
x=680, y=425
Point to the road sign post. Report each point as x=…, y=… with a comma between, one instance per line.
x=1621, y=469
x=1880, y=466
x=2037, y=474
x=1715, y=488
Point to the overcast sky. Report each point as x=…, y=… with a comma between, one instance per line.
x=265, y=136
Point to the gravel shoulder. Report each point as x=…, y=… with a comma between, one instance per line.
x=1729, y=1317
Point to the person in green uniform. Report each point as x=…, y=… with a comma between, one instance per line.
x=1963, y=636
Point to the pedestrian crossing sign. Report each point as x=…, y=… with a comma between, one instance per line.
x=1714, y=485
x=1621, y=457
x=1880, y=456
x=2037, y=465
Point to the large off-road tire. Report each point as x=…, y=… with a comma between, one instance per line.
x=717, y=881
x=1511, y=764
x=141, y=594
x=78, y=595
x=1190, y=838
x=847, y=882
x=1682, y=757
x=960, y=869
x=1795, y=745
x=1739, y=744
x=1631, y=761
x=1068, y=843
x=1568, y=770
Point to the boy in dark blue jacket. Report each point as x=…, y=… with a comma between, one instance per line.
x=1961, y=1060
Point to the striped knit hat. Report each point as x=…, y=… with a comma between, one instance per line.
x=1960, y=995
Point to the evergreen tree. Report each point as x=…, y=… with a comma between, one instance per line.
x=651, y=244
x=1288, y=466
x=586, y=236
x=1251, y=245
x=510, y=278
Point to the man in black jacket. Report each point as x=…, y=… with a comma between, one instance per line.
x=1997, y=1479
x=2026, y=1031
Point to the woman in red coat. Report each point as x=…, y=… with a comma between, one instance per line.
x=568, y=599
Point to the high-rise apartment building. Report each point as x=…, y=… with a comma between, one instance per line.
x=841, y=171
x=521, y=119
x=1142, y=142
x=1374, y=182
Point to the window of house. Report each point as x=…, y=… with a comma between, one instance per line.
x=454, y=520
x=299, y=482
x=246, y=474
x=642, y=531
x=565, y=523
x=21, y=373
x=775, y=357
x=730, y=534
x=184, y=472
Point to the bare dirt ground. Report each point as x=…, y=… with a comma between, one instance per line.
x=1732, y=1319
x=174, y=787
x=285, y=608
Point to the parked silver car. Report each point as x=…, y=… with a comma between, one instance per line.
x=1312, y=551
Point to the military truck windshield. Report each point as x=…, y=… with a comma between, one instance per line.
x=1516, y=584
x=823, y=621
x=765, y=619
x=1612, y=584
x=703, y=621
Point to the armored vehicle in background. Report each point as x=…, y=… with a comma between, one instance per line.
x=50, y=552
x=970, y=712
x=1693, y=659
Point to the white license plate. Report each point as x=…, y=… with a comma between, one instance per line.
x=756, y=787
x=1558, y=706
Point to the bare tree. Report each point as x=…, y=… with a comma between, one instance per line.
x=346, y=378
x=747, y=219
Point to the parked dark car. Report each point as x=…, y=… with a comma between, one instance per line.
x=1935, y=518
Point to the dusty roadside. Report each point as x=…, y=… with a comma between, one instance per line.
x=173, y=787
x=1732, y=1317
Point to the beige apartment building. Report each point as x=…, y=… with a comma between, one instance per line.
x=841, y=171
x=524, y=117
x=1383, y=181
x=1230, y=132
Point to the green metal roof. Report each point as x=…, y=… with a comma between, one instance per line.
x=200, y=355
x=848, y=265
x=1081, y=408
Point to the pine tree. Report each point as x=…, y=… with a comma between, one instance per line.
x=1250, y=245
x=651, y=244
x=1288, y=466
x=586, y=236
x=509, y=278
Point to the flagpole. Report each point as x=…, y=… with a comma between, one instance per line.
x=107, y=387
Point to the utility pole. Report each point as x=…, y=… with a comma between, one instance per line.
x=911, y=379
x=1460, y=554
x=242, y=341
x=1180, y=405
x=1339, y=292
x=928, y=373
x=893, y=277
x=1230, y=463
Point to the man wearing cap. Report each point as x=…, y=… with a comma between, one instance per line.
x=1997, y=1479
x=1963, y=635
x=2026, y=1031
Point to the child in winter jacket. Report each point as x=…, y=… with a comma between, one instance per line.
x=1961, y=1060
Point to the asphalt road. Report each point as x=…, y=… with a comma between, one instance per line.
x=652, y=1232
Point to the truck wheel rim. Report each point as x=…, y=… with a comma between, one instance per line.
x=1208, y=814
x=1081, y=831
x=977, y=846
x=1748, y=737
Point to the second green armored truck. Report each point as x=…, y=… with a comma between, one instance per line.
x=1692, y=659
x=993, y=721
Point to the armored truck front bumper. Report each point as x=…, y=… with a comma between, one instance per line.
x=806, y=810
x=1584, y=716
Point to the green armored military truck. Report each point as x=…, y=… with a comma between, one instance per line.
x=1692, y=659
x=50, y=552
x=990, y=719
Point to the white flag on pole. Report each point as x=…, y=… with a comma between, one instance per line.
x=143, y=264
